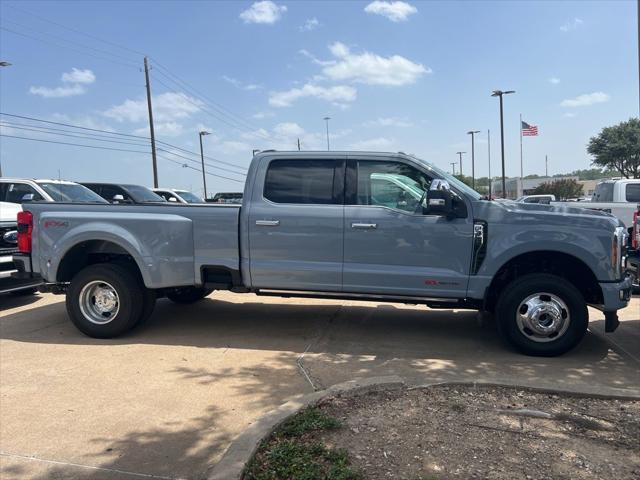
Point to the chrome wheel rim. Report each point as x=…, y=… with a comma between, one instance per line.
x=543, y=317
x=99, y=302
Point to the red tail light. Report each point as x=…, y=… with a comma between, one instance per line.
x=635, y=234
x=25, y=230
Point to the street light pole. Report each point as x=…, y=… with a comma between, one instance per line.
x=473, y=157
x=204, y=178
x=500, y=93
x=461, y=153
x=489, y=158
x=326, y=119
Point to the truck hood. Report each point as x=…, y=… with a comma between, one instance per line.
x=537, y=213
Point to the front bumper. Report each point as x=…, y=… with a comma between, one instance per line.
x=616, y=295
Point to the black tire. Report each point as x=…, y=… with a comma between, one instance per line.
x=186, y=295
x=128, y=308
x=149, y=298
x=535, y=343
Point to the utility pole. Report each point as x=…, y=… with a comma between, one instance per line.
x=326, y=119
x=546, y=165
x=461, y=153
x=298, y=144
x=473, y=157
x=489, y=158
x=151, y=130
x=204, y=178
x=453, y=168
x=500, y=93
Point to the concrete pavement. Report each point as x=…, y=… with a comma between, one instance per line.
x=166, y=400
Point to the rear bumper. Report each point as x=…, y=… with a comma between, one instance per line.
x=16, y=274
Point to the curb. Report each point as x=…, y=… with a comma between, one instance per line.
x=232, y=463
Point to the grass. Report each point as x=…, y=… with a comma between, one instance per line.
x=290, y=453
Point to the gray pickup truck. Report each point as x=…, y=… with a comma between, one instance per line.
x=347, y=225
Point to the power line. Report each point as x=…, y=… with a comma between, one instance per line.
x=74, y=144
x=23, y=117
x=86, y=137
x=196, y=161
x=184, y=165
x=80, y=45
x=115, y=149
x=80, y=32
x=50, y=43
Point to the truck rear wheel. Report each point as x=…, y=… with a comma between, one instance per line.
x=188, y=294
x=542, y=315
x=104, y=300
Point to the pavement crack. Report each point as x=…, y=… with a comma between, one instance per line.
x=322, y=331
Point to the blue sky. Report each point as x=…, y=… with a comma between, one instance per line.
x=410, y=76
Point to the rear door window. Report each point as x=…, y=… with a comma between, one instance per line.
x=633, y=192
x=304, y=182
x=16, y=191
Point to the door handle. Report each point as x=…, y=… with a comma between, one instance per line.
x=364, y=226
x=268, y=223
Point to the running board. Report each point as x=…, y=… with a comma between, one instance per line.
x=433, y=302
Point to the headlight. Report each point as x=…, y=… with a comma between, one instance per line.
x=618, y=251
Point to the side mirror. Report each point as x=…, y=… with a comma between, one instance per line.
x=27, y=197
x=117, y=199
x=439, y=199
x=173, y=199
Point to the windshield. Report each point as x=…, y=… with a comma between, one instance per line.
x=71, y=192
x=189, y=197
x=453, y=181
x=142, y=194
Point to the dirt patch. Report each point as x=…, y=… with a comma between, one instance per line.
x=485, y=432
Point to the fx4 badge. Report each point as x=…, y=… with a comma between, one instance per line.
x=55, y=223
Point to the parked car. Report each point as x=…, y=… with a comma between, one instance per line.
x=310, y=227
x=9, y=246
x=618, y=197
x=22, y=190
x=544, y=199
x=633, y=258
x=226, y=197
x=124, y=193
x=177, y=195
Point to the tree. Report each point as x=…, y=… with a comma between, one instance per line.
x=618, y=148
x=562, y=189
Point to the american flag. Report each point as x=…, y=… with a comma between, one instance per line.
x=529, y=130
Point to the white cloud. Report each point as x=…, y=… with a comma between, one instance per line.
x=266, y=12
x=554, y=80
x=58, y=92
x=76, y=79
x=309, y=24
x=394, y=11
x=166, y=129
x=261, y=115
x=379, y=143
x=338, y=93
x=388, y=122
x=314, y=59
x=372, y=69
x=167, y=107
x=585, y=100
x=571, y=25
x=79, y=76
x=238, y=84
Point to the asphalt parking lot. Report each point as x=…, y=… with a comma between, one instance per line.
x=166, y=400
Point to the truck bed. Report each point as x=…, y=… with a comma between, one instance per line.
x=174, y=242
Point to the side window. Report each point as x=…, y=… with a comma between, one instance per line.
x=16, y=192
x=633, y=192
x=390, y=184
x=3, y=191
x=304, y=182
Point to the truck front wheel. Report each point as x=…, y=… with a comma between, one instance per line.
x=188, y=294
x=104, y=300
x=542, y=315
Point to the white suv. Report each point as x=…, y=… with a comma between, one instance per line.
x=20, y=190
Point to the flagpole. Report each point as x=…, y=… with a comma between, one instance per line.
x=521, y=163
x=489, y=156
